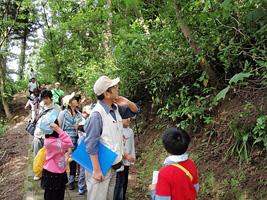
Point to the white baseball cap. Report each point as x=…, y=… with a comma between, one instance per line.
x=103, y=83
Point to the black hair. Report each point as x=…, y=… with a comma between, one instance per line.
x=175, y=141
x=100, y=97
x=46, y=93
x=72, y=99
x=54, y=133
x=78, y=97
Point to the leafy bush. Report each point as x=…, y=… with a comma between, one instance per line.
x=247, y=135
x=21, y=85
x=3, y=126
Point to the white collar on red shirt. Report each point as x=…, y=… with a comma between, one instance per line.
x=175, y=159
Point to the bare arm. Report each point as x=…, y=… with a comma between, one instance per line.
x=97, y=173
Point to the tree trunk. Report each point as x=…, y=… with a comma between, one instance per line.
x=108, y=32
x=196, y=50
x=22, y=55
x=2, y=86
x=3, y=69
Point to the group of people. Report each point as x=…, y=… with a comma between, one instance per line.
x=107, y=122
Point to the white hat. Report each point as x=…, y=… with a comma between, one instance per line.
x=57, y=83
x=66, y=99
x=48, y=119
x=103, y=83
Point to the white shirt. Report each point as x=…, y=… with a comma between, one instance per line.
x=32, y=86
x=128, y=141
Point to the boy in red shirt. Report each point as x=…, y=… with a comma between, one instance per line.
x=178, y=179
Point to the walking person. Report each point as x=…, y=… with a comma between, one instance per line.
x=32, y=85
x=69, y=120
x=33, y=102
x=33, y=74
x=105, y=126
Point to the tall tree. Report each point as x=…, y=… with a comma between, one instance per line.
x=196, y=49
x=108, y=32
x=6, y=28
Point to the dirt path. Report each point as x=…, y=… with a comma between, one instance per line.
x=14, y=153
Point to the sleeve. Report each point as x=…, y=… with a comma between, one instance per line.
x=65, y=139
x=157, y=197
x=93, y=130
x=133, y=144
x=163, y=188
x=125, y=112
x=61, y=118
x=196, y=180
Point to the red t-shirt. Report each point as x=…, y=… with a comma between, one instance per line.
x=173, y=182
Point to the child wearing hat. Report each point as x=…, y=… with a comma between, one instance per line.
x=178, y=179
x=54, y=177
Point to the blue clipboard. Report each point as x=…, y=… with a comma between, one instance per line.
x=106, y=157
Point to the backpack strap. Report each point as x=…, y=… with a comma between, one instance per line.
x=184, y=170
x=42, y=114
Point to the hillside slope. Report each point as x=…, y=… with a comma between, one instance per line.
x=222, y=175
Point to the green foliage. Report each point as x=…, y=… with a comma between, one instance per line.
x=221, y=94
x=239, y=77
x=240, y=145
x=21, y=85
x=3, y=126
x=142, y=43
x=247, y=133
x=259, y=131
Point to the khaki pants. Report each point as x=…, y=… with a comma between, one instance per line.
x=101, y=190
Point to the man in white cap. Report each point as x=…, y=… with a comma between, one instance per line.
x=105, y=126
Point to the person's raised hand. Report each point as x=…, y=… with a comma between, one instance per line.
x=122, y=101
x=54, y=126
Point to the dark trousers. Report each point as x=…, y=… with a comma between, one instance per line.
x=54, y=194
x=118, y=192
x=73, y=168
x=125, y=185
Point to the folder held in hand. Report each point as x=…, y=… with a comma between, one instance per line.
x=106, y=157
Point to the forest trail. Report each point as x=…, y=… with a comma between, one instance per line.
x=16, y=160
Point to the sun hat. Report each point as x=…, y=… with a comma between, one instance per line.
x=48, y=119
x=103, y=83
x=66, y=99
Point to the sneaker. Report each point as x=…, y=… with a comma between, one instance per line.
x=36, y=178
x=71, y=186
x=81, y=191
